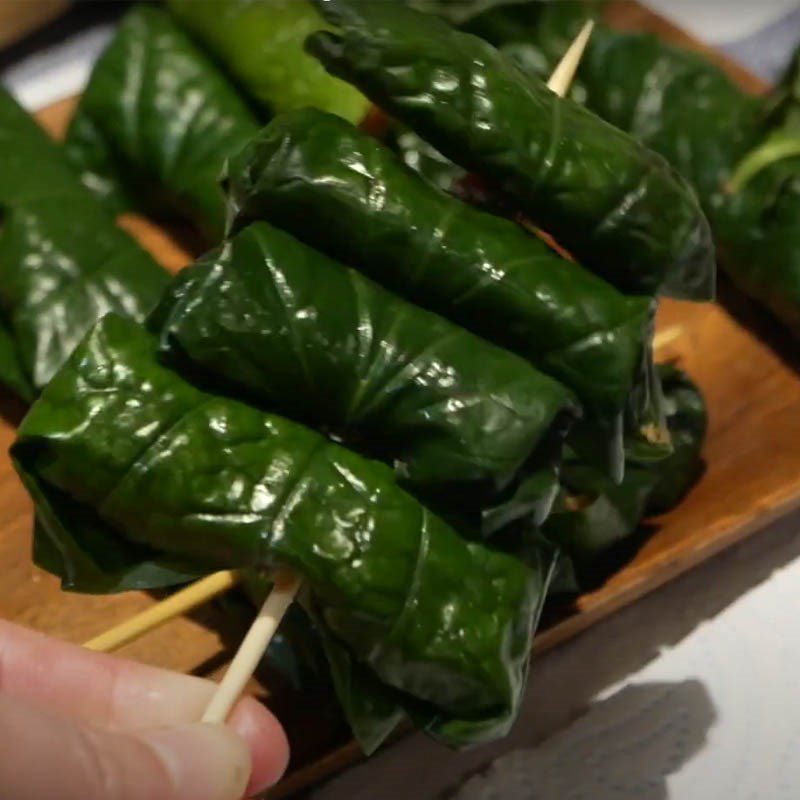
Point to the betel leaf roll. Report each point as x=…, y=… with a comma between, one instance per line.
x=219, y=484
x=616, y=206
x=156, y=122
x=261, y=46
x=707, y=127
x=63, y=261
x=674, y=100
x=593, y=517
x=309, y=338
x=756, y=222
x=686, y=108
x=345, y=193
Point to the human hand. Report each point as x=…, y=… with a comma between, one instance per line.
x=78, y=725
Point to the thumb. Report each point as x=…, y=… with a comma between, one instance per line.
x=43, y=755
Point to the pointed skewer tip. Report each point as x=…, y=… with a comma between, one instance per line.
x=563, y=75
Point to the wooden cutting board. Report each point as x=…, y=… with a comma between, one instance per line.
x=743, y=364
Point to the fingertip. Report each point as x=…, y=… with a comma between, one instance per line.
x=197, y=760
x=269, y=747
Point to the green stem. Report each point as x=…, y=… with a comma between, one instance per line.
x=777, y=147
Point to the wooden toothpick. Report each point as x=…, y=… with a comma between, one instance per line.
x=253, y=647
x=563, y=75
x=194, y=595
x=667, y=337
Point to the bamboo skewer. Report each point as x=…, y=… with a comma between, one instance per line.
x=253, y=646
x=667, y=337
x=194, y=595
x=563, y=75
x=287, y=584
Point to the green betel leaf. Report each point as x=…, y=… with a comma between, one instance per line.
x=156, y=123
x=483, y=272
x=261, y=45
x=372, y=709
x=210, y=481
x=615, y=205
x=12, y=374
x=63, y=261
x=88, y=557
x=687, y=109
x=305, y=336
x=594, y=517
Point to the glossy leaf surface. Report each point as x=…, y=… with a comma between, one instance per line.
x=346, y=194
x=309, y=338
x=209, y=480
x=618, y=207
x=63, y=261
x=686, y=108
x=156, y=123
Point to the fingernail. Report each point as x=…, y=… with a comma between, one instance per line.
x=203, y=761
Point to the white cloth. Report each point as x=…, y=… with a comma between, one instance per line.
x=59, y=71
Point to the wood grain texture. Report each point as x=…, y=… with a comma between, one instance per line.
x=742, y=363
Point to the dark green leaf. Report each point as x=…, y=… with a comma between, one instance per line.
x=593, y=515
x=156, y=123
x=706, y=126
x=615, y=205
x=424, y=159
x=12, y=374
x=686, y=108
x=70, y=542
x=542, y=559
x=63, y=261
x=456, y=11
x=484, y=272
x=372, y=709
x=308, y=337
x=204, y=478
x=535, y=34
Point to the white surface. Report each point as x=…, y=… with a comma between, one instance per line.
x=721, y=21
x=59, y=71
x=691, y=694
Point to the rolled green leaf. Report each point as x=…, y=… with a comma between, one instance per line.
x=307, y=337
x=63, y=261
x=707, y=128
x=701, y=122
x=594, y=518
x=372, y=708
x=261, y=45
x=219, y=484
x=156, y=123
x=618, y=207
x=346, y=194
x=314, y=661
x=686, y=108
